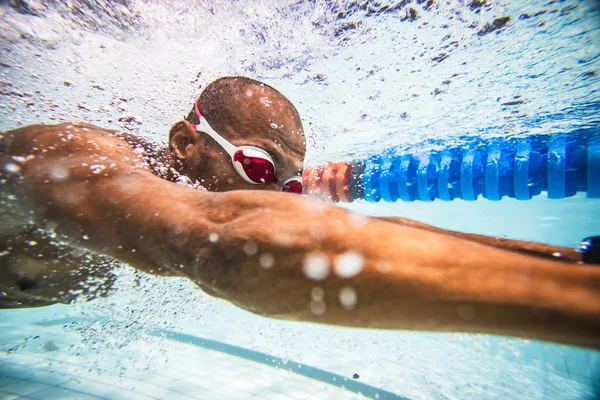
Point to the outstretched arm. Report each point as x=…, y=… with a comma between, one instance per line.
x=522, y=246
x=291, y=257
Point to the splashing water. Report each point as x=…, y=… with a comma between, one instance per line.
x=392, y=73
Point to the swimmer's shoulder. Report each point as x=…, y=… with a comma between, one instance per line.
x=45, y=134
x=37, y=129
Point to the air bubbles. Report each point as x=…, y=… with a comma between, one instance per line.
x=59, y=174
x=316, y=266
x=318, y=307
x=250, y=248
x=349, y=264
x=266, y=101
x=317, y=294
x=12, y=168
x=266, y=260
x=213, y=237
x=97, y=168
x=348, y=297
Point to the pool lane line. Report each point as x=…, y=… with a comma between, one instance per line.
x=314, y=373
x=307, y=371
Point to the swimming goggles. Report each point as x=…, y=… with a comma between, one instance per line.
x=253, y=164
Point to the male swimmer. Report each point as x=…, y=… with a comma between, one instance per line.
x=77, y=195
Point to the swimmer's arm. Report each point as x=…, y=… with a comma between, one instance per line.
x=525, y=247
x=254, y=248
x=391, y=276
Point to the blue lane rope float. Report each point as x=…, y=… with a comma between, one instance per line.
x=560, y=165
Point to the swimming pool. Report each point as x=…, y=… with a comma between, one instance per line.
x=365, y=77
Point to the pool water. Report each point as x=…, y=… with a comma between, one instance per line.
x=365, y=76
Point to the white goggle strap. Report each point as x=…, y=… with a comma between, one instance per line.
x=203, y=126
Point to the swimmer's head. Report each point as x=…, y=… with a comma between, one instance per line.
x=246, y=113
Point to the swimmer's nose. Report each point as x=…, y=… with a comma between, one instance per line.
x=272, y=186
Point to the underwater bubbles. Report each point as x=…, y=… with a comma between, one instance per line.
x=348, y=297
x=12, y=168
x=266, y=260
x=316, y=266
x=349, y=264
x=213, y=237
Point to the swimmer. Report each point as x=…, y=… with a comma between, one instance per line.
x=74, y=197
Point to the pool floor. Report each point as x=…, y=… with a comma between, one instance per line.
x=45, y=356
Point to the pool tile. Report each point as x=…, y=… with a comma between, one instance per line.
x=20, y=359
x=558, y=389
x=593, y=359
x=154, y=378
x=221, y=395
x=530, y=352
x=24, y=387
x=300, y=389
x=212, y=395
x=273, y=396
x=586, y=380
x=577, y=363
x=187, y=388
x=8, y=396
x=57, y=393
x=7, y=380
x=204, y=383
x=525, y=381
x=171, y=372
x=47, y=377
x=228, y=392
x=148, y=389
x=102, y=389
x=554, y=359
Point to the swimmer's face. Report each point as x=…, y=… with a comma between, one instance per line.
x=278, y=131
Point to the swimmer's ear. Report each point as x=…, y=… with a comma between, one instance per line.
x=181, y=140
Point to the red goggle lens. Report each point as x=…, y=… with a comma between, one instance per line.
x=293, y=186
x=257, y=169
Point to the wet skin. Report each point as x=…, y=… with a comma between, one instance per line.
x=410, y=277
